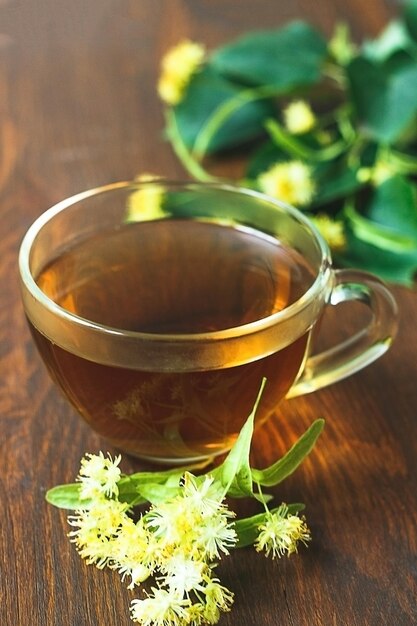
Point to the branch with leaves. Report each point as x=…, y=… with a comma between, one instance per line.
x=328, y=126
x=184, y=526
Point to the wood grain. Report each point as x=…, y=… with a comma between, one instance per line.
x=78, y=108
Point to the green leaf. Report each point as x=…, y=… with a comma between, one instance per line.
x=392, y=265
x=385, y=98
x=334, y=180
x=156, y=493
x=395, y=37
x=410, y=18
x=235, y=472
x=288, y=57
x=293, y=146
x=131, y=486
x=247, y=528
x=67, y=497
x=206, y=93
x=285, y=466
x=266, y=156
x=378, y=235
x=393, y=205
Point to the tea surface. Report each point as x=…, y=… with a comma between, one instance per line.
x=176, y=276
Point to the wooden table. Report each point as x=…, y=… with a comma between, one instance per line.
x=78, y=108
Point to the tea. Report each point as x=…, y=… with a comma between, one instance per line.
x=175, y=276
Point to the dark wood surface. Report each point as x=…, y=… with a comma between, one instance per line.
x=78, y=108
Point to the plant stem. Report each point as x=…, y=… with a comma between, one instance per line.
x=375, y=234
x=298, y=149
x=404, y=163
x=224, y=111
x=192, y=166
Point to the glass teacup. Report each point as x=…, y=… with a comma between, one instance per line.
x=159, y=308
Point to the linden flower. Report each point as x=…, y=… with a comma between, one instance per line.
x=205, y=496
x=171, y=522
x=299, y=117
x=133, y=551
x=217, y=597
x=381, y=172
x=99, y=476
x=177, y=542
x=183, y=574
x=332, y=231
x=280, y=533
x=96, y=529
x=196, y=615
x=178, y=65
x=216, y=536
x=341, y=46
x=164, y=608
x=290, y=182
x=377, y=174
x=146, y=203
x=196, y=521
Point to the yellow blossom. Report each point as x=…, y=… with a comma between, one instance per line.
x=299, y=117
x=96, y=529
x=204, y=496
x=196, y=615
x=281, y=532
x=146, y=203
x=376, y=175
x=183, y=573
x=381, y=172
x=172, y=522
x=215, y=536
x=163, y=608
x=341, y=46
x=178, y=66
x=290, y=182
x=196, y=522
x=332, y=231
x=177, y=542
x=218, y=594
x=99, y=476
x=133, y=551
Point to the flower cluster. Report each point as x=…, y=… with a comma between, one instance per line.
x=319, y=133
x=146, y=202
x=178, y=542
x=281, y=532
x=99, y=476
x=178, y=65
x=332, y=230
x=299, y=117
x=185, y=527
x=289, y=182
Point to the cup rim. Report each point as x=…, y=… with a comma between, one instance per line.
x=320, y=280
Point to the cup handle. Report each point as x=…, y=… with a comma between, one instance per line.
x=361, y=349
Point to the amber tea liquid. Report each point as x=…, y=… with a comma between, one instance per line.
x=174, y=276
